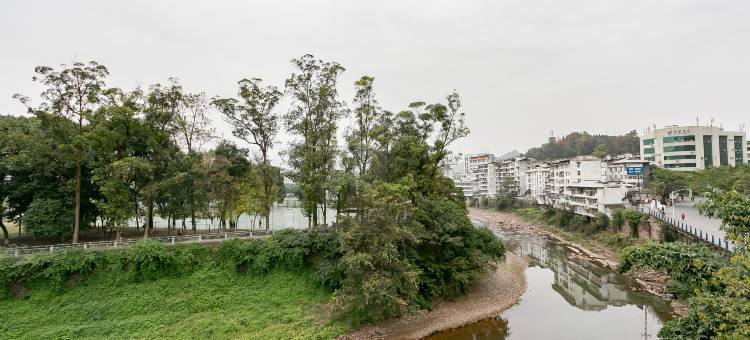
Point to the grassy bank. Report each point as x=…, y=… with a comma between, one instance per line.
x=207, y=304
x=599, y=231
x=274, y=288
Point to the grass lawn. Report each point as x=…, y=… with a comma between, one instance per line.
x=207, y=304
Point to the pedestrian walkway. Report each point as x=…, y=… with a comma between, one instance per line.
x=693, y=217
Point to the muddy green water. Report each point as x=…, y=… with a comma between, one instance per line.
x=569, y=298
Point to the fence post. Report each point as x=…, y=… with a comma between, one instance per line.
x=225, y=236
x=712, y=239
x=16, y=252
x=200, y=238
x=84, y=246
x=51, y=249
x=726, y=244
x=172, y=240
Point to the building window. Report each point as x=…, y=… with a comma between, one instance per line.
x=651, y=158
x=670, y=158
x=680, y=165
x=678, y=139
x=723, y=151
x=649, y=141
x=708, y=151
x=648, y=150
x=738, y=156
x=678, y=148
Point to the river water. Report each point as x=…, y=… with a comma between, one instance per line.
x=568, y=297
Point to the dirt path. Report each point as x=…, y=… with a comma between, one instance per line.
x=487, y=298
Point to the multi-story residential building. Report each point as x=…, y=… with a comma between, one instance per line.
x=747, y=158
x=632, y=173
x=479, y=165
x=537, y=182
x=467, y=183
x=512, y=171
x=454, y=165
x=585, y=184
x=693, y=147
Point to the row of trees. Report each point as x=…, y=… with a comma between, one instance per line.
x=582, y=143
x=403, y=239
x=91, y=152
x=664, y=181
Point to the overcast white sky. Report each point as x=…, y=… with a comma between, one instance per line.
x=524, y=68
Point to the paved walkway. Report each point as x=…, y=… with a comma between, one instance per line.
x=694, y=218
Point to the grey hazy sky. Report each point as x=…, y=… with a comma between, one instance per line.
x=524, y=68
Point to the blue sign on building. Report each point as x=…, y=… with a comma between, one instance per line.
x=634, y=170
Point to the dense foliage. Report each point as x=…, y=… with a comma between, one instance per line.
x=719, y=304
x=582, y=143
x=600, y=228
x=151, y=260
x=664, y=181
x=690, y=267
x=403, y=241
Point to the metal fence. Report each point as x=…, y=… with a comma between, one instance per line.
x=692, y=231
x=124, y=242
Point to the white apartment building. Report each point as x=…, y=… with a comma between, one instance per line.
x=479, y=165
x=585, y=184
x=747, y=157
x=467, y=183
x=632, y=173
x=515, y=170
x=690, y=148
x=537, y=182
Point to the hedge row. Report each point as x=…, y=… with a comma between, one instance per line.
x=151, y=260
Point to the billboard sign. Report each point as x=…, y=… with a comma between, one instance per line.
x=634, y=170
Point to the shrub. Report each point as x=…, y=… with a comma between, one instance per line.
x=600, y=222
x=48, y=217
x=149, y=260
x=617, y=220
x=634, y=218
x=666, y=233
x=692, y=266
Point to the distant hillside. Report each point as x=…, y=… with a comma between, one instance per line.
x=509, y=155
x=582, y=143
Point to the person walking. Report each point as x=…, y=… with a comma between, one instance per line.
x=683, y=217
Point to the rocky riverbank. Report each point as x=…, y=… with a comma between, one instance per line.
x=489, y=296
x=649, y=281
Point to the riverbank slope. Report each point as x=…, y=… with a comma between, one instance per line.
x=489, y=297
x=648, y=280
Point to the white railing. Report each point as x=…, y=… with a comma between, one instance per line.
x=124, y=242
x=696, y=233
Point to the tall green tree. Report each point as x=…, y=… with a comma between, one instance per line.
x=162, y=106
x=361, y=141
x=73, y=92
x=313, y=116
x=253, y=120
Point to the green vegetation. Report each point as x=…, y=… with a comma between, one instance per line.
x=206, y=304
x=599, y=230
x=137, y=154
x=717, y=289
x=663, y=181
x=246, y=289
x=582, y=143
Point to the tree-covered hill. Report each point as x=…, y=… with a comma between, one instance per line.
x=582, y=143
